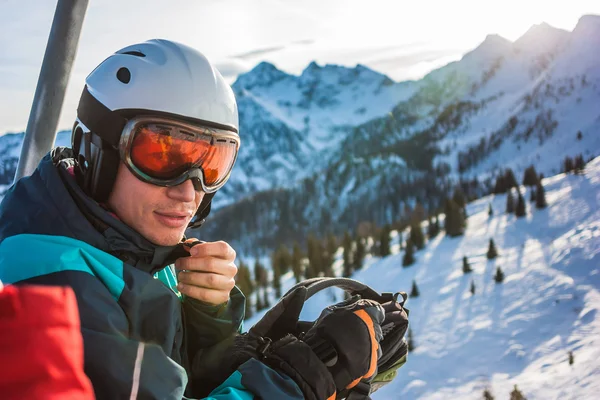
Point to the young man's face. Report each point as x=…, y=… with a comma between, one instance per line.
x=160, y=214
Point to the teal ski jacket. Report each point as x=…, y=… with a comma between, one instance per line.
x=142, y=339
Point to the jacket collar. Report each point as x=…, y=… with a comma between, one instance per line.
x=119, y=239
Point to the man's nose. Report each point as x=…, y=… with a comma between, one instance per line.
x=184, y=192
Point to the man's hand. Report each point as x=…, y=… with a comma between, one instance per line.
x=208, y=273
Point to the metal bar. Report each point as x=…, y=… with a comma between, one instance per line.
x=52, y=84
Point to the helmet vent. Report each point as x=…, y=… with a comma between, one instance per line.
x=135, y=53
x=124, y=75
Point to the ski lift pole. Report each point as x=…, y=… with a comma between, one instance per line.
x=52, y=84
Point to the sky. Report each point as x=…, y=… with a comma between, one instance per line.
x=403, y=39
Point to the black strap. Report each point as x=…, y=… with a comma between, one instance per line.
x=360, y=391
x=351, y=286
x=202, y=212
x=99, y=119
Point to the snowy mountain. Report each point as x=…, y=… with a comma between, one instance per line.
x=516, y=332
x=503, y=105
x=289, y=124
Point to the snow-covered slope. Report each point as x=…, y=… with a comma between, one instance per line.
x=517, y=332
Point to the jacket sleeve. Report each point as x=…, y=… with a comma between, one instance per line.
x=207, y=326
x=121, y=367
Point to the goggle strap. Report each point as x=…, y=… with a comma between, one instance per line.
x=99, y=119
x=202, y=212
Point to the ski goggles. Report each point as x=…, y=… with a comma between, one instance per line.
x=166, y=152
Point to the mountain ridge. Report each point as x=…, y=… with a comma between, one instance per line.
x=383, y=145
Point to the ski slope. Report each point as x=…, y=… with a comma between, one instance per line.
x=517, y=332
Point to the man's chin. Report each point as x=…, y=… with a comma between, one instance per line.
x=166, y=237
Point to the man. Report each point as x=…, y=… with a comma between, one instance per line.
x=156, y=136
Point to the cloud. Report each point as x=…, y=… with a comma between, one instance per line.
x=230, y=68
x=259, y=52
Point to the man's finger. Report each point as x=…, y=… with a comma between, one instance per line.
x=206, y=280
x=206, y=295
x=214, y=265
x=213, y=249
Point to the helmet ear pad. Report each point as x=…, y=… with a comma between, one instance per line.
x=97, y=164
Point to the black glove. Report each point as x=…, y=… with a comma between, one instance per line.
x=338, y=351
x=346, y=337
x=393, y=345
x=269, y=341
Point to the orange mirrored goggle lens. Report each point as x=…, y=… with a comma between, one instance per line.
x=166, y=152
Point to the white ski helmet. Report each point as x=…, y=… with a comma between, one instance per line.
x=158, y=77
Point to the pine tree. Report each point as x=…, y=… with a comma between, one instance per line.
x=276, y=267
x=579, y=135
x=297, y=262
x=454, y=223
x=259, y=301
x=261, y=278
x=347, y=256
x=384, y=241
x=434, y=227
x=530, y=177
x=540, y=196
x=359, y=254
x=414, y=292
x=466, y=266
x=578, y=164
x=499, y=277
x=399, y=238
x=571, y=358
x=516, y=394
x=459, y=198
x=416, y=235
x=492, y=252
x=315, y=257
x=244, y=282
x=472, y=287
x=568, y=164
x=330, y=249
x=284, y=259
x=327, y=250
x=266, y=302
x=509, y=179
x=431, y=228
x=500, y=186
x=418, y=213
x=532, y=194
x=520, y=210
x=510, y=202
x=409, y=257
x=490, y=210
x=409, y=339
x=487, y=395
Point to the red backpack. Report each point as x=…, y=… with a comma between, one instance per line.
x=41, y=348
